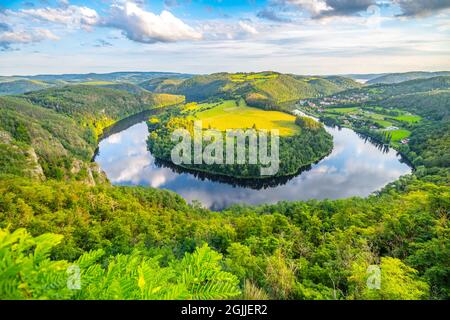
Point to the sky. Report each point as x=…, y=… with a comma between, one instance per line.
x=205, y=36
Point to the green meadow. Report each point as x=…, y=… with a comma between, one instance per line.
x=398, y=135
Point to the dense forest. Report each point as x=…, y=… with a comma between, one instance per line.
x=59, y=216
x=276, y=88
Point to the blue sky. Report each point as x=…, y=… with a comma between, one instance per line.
x=205, y=36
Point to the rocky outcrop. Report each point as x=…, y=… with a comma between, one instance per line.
x=35, y=169
x=88, y=173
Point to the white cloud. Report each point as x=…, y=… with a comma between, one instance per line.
x=313, y=6
x=73, y=16
x=247, y=27
x=9, y=37
x=144, y=26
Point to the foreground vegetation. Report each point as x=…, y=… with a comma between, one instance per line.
x=144, y=243
x=300, y=250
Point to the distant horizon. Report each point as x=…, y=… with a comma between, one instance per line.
x=195, y=74
x=319, y=37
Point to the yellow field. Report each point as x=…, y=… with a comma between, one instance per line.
x=242, y=77
x=230, y=115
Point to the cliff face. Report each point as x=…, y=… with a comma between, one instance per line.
x=35, y=169
x=88, y=173
x=17, y=158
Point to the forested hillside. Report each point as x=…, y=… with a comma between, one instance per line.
x=391, y=78
x=54, y=131
x=45, y=141
x=274, y=87
x=99, y=107
x=22, y=86
x=383, y=91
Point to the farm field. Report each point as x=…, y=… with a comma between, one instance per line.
x=398, y=135
x=242, y=77
x=383, y=123
x=381, y=119
x=343, y=110
x=232, y=115
x=408, y=118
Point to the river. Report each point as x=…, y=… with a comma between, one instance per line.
x=355, y=167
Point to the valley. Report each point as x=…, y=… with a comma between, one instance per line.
x=306, y=234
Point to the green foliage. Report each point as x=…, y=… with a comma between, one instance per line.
x=407, y=76
x=420, y=108
x=277, y=88
x=21, y=86
x=161, y=84
x=308, y=123
x=56, y=139
x=397, y=282
x=94, y=106
x=299, y=250
x=27, y=272
x=383, y=91
x=142, y=243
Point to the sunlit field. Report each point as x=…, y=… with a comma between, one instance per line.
x=232, y=115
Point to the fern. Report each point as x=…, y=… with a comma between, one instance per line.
x=27, y=272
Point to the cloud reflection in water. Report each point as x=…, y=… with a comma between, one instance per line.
x=355, y=168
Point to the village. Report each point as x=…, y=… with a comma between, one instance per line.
x=352, y=110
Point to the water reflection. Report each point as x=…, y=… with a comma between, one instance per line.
x=356, y=167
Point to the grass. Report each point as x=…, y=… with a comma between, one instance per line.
x=398, y=135
x=165, y=99
x=343, y=110
x=379, y=119
x=242, y=77
x=230, y=115
x=383, y=123
x=408, y=118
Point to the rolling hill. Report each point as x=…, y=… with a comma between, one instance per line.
x=382, y=91
x=264, y=89
x=40, y=142
x=99, y=107
x=22, y=86
x=133, y=77
x=392, y=78
x=53, y=133
x=161, y=84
